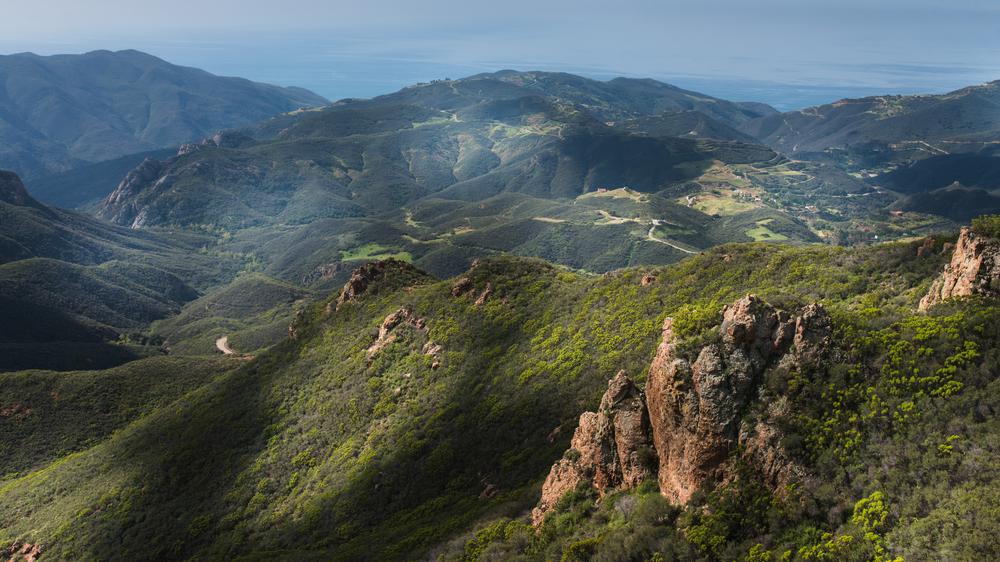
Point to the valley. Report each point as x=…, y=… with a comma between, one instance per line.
x=512, y=316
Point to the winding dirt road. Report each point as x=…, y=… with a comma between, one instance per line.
x=223, y=345
x=667, y=242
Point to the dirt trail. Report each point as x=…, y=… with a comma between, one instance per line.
x=223, y=345
x=667, y=242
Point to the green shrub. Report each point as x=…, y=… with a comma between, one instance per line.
x=987, y=225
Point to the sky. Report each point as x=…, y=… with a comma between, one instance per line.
x=790, y=53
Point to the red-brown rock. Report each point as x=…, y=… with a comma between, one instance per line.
x=695, y=407
x=611, y=448
x=974, y=269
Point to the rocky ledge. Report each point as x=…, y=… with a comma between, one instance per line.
x=691, y=418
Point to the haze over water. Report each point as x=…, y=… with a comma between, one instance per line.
x=788, y=54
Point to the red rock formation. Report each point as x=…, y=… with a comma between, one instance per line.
x=23, y=552
x=611, y=448
x=692, y=412
x=487, y=292
x=386, y=333
x=695, y=408
x=926, y=247
x=362, y=278
x=462, y=285
x=761, y=448
x=974, y=269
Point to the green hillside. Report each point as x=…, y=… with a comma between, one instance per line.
x=339, y=444
x=534, y=164
x=70, y=284
x=70, y=412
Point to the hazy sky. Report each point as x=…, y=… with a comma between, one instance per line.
x=787, y=52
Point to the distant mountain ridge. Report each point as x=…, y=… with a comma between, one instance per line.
x=451, y=170
x=957, y=121
x=546, y=134
x=61, y=111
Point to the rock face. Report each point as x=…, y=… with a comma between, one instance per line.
x=25, y=552
x=223, y=139
x=12, y=190
x=974, y=270
x=120, y=206
x=696, y=407
x=611, y=448
x=693, y=412
x=461, y=286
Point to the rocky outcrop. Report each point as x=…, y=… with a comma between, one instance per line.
x=386, y=332
x=611, y=448
x=694, y=411
x=16, y=411
x=22, y=552
x=222, y=139
x=695, y=407
x=120, y=206
x=761, y=448
x=974, y=270
x=295, y=324
x=368, y=275
x=485, y=295
x=12, y=190
x=462, y=285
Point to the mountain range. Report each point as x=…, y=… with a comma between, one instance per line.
x=513, y=316
x=59, y=112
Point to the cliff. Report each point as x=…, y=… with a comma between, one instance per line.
x=974, y=270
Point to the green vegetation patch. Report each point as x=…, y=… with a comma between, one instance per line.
x=987, y=225
x=374, y=251
x=761, y=233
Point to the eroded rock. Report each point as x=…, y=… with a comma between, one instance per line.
x=386, y=331
x=611, y=448
x=462, y=285
x=120, y=206
x=695, y=407
x=974, y=270
x=22, y=552
x=691, y=422
x=365, y=276
x=485, y=295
